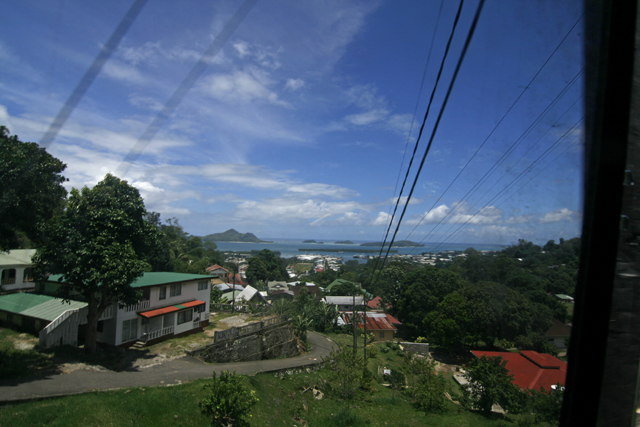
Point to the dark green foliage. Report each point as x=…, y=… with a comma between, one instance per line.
x=228, y=402
x=422, y=291
x=181, y=252
x=547, y=405
x=31, y=190
x=266, y=266
x=98, y=244
x=215, y=296
x=490, y=384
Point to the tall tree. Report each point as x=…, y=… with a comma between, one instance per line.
x=31, y=189
x=98, y=245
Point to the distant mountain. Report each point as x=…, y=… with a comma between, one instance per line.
x=313, y=241
x=233, y=236
x=399, y=244
x=344, y=242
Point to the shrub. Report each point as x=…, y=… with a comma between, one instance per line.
x=228, y=402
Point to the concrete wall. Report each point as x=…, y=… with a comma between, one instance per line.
x=266, y=343
x=414, y=347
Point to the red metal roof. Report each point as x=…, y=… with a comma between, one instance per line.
x=531, y=369
x=393, y=320
x=373, y=323
x=170, y=309
x=375, y=303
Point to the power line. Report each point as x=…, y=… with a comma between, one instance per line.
x=415, y=148
x=499, y=122
x=415, y=110
x=437, y=123
x=504, y=156
x=527, y=170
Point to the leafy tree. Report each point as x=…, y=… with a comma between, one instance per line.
x=228, y=402
x=428, y=388
x=490, y=384
x=345, y=288
x=31, y=190
x=346, y=372
x=98, y=245
x=547, y=404
x=301, y=325
x=215, y=295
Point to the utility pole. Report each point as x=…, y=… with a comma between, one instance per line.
x=354, y=321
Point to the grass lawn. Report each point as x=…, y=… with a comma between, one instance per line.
x=283, y=401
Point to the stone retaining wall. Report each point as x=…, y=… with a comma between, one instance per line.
x=255, y=343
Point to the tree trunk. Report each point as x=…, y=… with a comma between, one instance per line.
x=93, y=314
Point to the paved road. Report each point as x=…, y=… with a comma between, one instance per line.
x=172, y=372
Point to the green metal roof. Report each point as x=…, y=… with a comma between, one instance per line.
x=155, y=279
x=38, y=306
x=229, y=296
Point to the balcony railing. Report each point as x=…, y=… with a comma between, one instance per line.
x=142, y=305
x=9, y=281
x=158, y=333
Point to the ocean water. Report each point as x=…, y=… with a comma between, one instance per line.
x=289, y=248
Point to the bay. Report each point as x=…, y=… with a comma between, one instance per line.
x=289, y=248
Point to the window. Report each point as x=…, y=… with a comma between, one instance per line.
x=129, y=330
x=185, y=316
x=200, y=308
x=163, y=292
x=9, y=276
x=28, y=275
x=381, y=334
x=175, y=290
x=203, y=285
x=146, y=294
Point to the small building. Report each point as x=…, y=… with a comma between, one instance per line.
x=16, y=270
x=250, y=294
x=530, y=369
x=558, y=334
x=377, y=324
x=218, y=271
x=345, y=303
x=171, y=304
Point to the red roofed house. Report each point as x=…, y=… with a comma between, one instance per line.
x=377, y=324
x=530, y=369
x=218, y=271
x=375, y=304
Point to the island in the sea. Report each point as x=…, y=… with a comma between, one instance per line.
x=313, y=241
x=344, y=242
x=399, y=244
x=232, y=235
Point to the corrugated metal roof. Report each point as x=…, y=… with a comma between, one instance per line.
x=50, y=310
x=344, y=300
x=39, y=306
x=17, y=257
x=154, y=279
x=378, y=323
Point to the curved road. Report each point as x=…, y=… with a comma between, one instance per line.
x=168, y=373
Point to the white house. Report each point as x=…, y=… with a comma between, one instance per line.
x=171, y=304
x=15, y=269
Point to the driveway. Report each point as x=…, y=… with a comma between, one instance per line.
x=168, y=373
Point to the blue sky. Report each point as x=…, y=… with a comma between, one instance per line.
x=302, y=123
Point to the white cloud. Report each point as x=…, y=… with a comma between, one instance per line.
x=242, y=86
x=558, y=215
x=125, y=72
x=367, y=118
x=383, y=218
x=294, y=84
x=242, y=48
x=291, y=210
